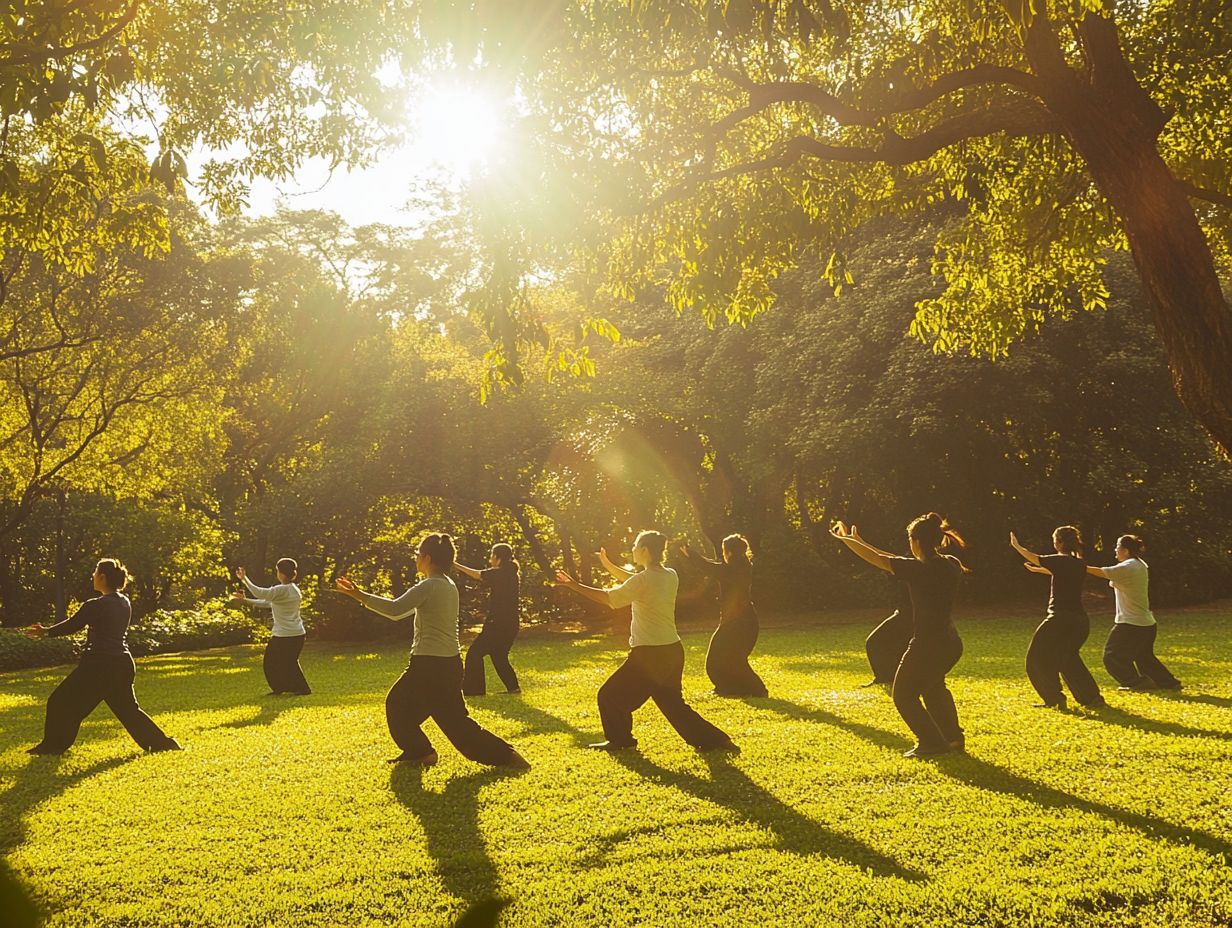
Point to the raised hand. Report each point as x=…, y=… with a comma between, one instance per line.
x=236, y=594
x=1014, y=541
x=36, y=631
x=563, y=579
x=240, y=573
x=347, y=587
x=1035, y=568
x=840, y=531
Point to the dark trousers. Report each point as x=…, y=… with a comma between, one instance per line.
x=1055, y=654
x=885, y=646
x=727, y=658
x=431, y=688
x=282, y=670
x=653, y=672
x=1130, y=657
x=97, y=679
x=920, y=693
x=494, y=642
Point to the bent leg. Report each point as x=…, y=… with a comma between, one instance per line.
x=407, y=707
x=1044, y=662
x=625, y=691
x=67, y=707
x=121, y=699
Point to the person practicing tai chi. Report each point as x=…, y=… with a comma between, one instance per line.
x=655, y=666
x=105, y=673
x=281, y=663
x=1129, y=654
x=431, y=685
x=727, y=658
x=1055, y=650
x=495, y=639
x=920, y=692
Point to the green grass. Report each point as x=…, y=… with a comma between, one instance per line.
x=282, y=812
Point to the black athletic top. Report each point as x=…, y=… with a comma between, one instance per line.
x=503, y=599
x=932, y=583
x=735, y=580
x=1068, y=575
x=107, y=618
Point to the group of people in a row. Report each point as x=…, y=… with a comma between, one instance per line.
x=913, y=650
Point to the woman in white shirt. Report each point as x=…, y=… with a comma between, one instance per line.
x=655, y=666
x=1129, y=654
x=282, y=670
x=431, y=685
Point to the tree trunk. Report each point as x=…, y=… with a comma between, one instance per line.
x=1113, y=123
x=532, y=538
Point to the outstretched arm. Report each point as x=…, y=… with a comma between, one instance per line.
x=593, y=593
x=1029, y=556
x=855, y=533
x=261, y=592
x=615, y=570
x=469, y=571
x=238, y=597
x=860, y=548
x=74, y=623
x=394, y=609
x=1097, y=572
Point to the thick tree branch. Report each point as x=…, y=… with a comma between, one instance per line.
x=897, y=101
x=1205, y=193
x=1016, y=118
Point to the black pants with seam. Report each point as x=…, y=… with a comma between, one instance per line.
x=98, y=679
x=1130, y=657
x=886, y=645
x=920, y=692
x=727, y=657
x=431, y=688
x=1055, y=654
x=281, y=664
x=493, y=641
x=653, y=672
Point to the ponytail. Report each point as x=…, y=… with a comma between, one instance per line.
x=1068, y=540
x=438, y=547
x=934, y=533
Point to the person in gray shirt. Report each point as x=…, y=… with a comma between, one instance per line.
x=431, y=685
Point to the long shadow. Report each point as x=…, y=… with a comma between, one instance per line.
x=878, y=736
x=268, y=709
x=1115, y=715
x=979, y=773
x=730, y=787
x=982, y=774
x=450, y=820
x=534, y=721
x=1205, y=699
x=36, y=782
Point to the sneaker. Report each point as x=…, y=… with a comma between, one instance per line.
x=612, y=746
x=39, y=751
x=1174, y=687
x=169, y=745
x=919, y=752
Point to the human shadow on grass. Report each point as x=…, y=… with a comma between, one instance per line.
x=984, y=775
x=534, y=721
x=731, y=788
x=36, y=781
x=1115, y=715
x=1205, y=699
x=450, y=821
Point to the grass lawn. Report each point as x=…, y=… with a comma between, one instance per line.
x=282, y=812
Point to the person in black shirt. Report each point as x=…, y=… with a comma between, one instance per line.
x=727, y=658
x=500, y=629
x=1055, y=649
x=920, y=692
x=105, y=673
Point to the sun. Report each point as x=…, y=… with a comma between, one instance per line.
x=457, y=127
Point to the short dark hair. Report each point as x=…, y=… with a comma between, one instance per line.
x=287, y=567
x=1133, y=544
x=654, y=542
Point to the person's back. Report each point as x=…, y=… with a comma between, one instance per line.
x=107, y=619
x=652, y=595
x=1130, y=581
x=436, y=618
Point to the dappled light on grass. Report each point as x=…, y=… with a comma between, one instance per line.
x=282, y=810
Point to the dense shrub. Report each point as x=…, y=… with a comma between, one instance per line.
x=18, y=651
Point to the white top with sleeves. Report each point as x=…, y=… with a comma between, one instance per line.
x=1129, y=580
x=652, y=594
x=283, y=601
x=434, y=600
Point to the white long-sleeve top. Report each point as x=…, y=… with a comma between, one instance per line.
x=283, y=601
